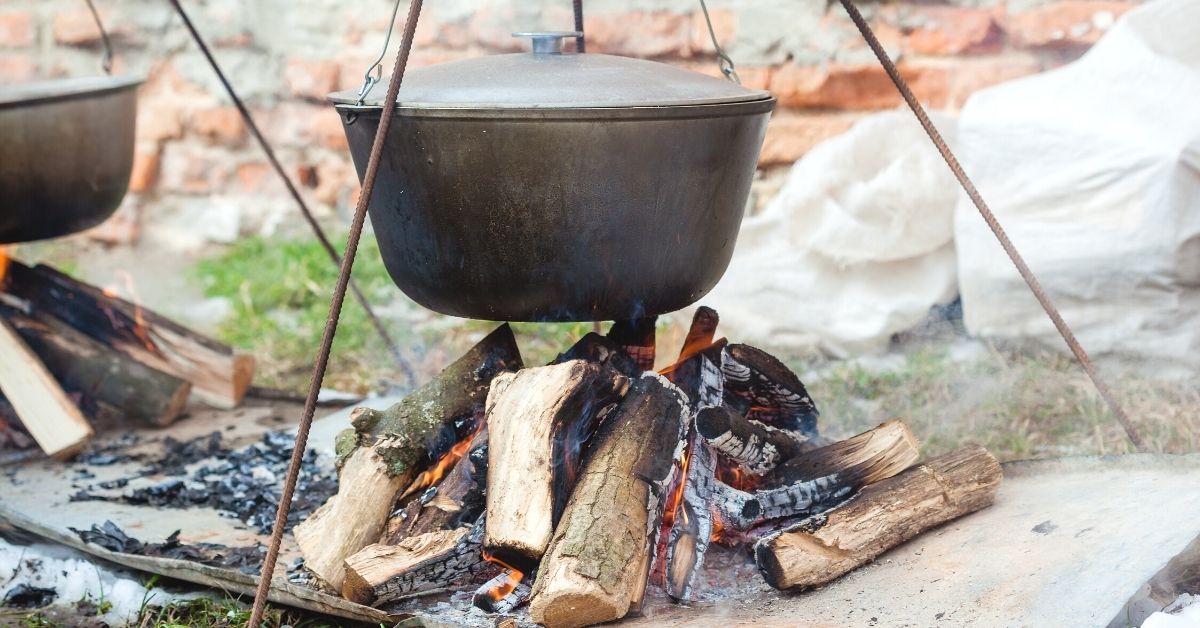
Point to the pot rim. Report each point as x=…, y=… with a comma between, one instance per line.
x=64, y=89
x=484, y=112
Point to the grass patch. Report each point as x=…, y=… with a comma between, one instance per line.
x=1019, y=403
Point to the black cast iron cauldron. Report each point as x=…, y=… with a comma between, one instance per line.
x=557, y=186
x=66, y=153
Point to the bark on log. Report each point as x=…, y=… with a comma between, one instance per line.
x=384, y=451
x=436, y=561
x=754, y=447
x=596, y=566
x=219, y=375
x=761, y=388
x=53, y=420
x=636, y=337
x=81, y=364
x=537, y=420
x=882, y=516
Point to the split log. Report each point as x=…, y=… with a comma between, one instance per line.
x=761, y=388
x=637, y=338
x=219, y=375
x=384, y=451
x=701, y=333
x=596, y=567
x=430, y=563
x=884, y=515
x=754, y=447
x=818, y=479
x=537, y=421
x=51, y=418
x=503, y=593
x=81, y=364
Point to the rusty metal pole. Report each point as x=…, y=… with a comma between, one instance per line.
x=335, y=309
x=1031, y=280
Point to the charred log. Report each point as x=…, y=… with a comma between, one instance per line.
x=761, y=388
x=503, y=593
x=884, y=515
x=601, y=350
x=596, y=566
x=637, y=338
x=457, y=500
x=754, y=447
x=429, y=563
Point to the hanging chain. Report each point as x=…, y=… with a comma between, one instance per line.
x=723, y=60
x=106, y=62
x=1023, y=269
x=374, y=72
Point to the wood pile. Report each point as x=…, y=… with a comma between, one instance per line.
x=576, y=486
x=72, y=351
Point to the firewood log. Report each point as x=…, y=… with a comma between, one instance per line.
x=220, y=376
x=536, y=418
x=755, y=447
x=457, y=499
x=47, y=413
x=81, y=364
x=762, y=388
x=596, y=566
x=883, y=515
x=435, y=561
x=603, y=351
x=384, y=451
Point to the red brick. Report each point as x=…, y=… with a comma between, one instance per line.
x=854, y=87
x=491, y=28
x=159, y=120
x=970, y=76
x=193, y=170
x=1073, y=23
x=78, y=28
x=725, y=24
x=219, y=125
x=640, y=34
x=312, y=79
x=121, y=229
x=253, y=176
x=145, y=169
x=324, y=127
x=946, y=30
x=16, y=30
x=791, y=134
x=17, y=69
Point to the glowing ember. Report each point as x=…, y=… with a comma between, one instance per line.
x=3, y=262
x=502, y=590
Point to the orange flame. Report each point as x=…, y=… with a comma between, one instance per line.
x=141, y=329
x=3, y=262
x=502, y=590
x=431, y=476
x=675, y=498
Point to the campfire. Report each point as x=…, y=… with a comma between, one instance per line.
x=75, y=353
x=575, y=486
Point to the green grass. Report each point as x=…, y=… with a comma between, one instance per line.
x=1019, y=403
x=201, y=612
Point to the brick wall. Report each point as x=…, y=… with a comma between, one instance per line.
x=199, y=178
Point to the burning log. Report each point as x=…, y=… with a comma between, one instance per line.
x=596, y=566
x=536, y=420
x=83, y=365
x=219, y=375
x=761, y=388
x=51, y=418
x=819, y=478
x=435, y=561
x=456, y=500
x=754, y=447
x=882, y=516
x=504, y=593
x=383, y=452
x=636, y=337
x=603, y=351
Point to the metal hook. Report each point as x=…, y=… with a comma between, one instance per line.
x=374, y=72
x=724, y=62
x=106, y=62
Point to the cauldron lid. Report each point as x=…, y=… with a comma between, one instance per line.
x=550, y=79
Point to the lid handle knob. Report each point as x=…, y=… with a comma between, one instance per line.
x=549, y=42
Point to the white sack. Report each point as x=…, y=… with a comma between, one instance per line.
x=1094, y=171
x=855, y=248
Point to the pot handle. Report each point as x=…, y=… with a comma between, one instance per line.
x=549, y=42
